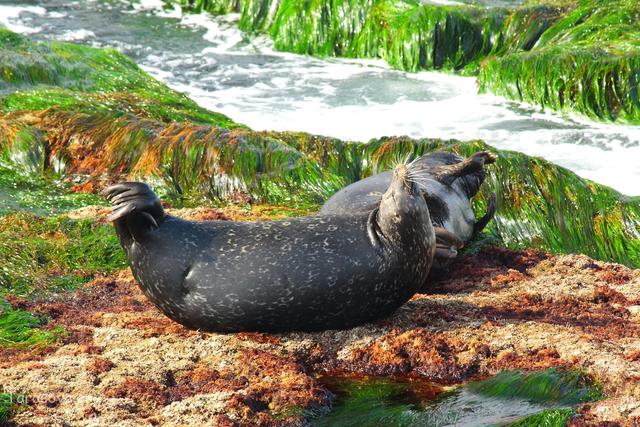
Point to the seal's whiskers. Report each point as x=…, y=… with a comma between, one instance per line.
x=419, y=184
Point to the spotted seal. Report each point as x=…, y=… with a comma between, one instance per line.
x=450, y=183
x=310, y=273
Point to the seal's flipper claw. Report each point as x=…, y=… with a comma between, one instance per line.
x=124, y=198
x=447, y=239
x=445, y=252
x=138, y=199
x=127, y=194
x=120, y=211
x=127, y=188
x=488, y=216
x=113, y=190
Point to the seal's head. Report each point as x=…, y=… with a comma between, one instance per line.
x=403, y=216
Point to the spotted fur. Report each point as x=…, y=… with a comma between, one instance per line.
x=311, y=273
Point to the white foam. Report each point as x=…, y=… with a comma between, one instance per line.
x=8, y=15
x=222, y=33
x=77, y=35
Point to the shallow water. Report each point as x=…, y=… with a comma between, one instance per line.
x=503, y=400
x=220, y=68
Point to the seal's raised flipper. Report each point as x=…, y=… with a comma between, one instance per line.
x=488, y=216
x=447, y=243
x=136, y=208
x=449, y=173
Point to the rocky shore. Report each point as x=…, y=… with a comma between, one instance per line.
x=120, y=359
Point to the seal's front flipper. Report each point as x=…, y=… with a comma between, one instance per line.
x=447, y=243
x=449, y=173
x=488, y=216
x=136, y=208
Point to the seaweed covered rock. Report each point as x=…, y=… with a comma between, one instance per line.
x=540, y=204
x=407, y=34
x=71, y=77
x=587, y=61
x=121, y=359
x=564, y=55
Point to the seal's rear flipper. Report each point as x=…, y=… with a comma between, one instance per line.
x=449, y=173
x=136, y=208
x=491, y=211
x=447, y=243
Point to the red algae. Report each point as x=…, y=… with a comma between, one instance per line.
x=414, y=352
x=142, y=391
x=602, y=319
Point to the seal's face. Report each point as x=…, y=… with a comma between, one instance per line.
x=403, y=196
x=403, y=214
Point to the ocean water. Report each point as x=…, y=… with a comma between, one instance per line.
x=245, y=78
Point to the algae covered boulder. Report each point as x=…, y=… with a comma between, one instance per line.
x=540, y=204
x=586, y=61
x=564, y=55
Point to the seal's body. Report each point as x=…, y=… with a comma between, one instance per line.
x=312, y=273
x=450, y=183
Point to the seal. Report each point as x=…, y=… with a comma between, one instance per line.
x=308, y=274
x=450, y=183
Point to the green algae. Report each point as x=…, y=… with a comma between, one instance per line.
x=41, y=255
x=428, y=36
x=319, y=27
x=21, y=329
x=408, y=35
x=547, y=398
x=8, y=405
x=258, y=15
x=369, y=402
x=71, y=77
x=592, y=81
x=37, y=193
x=551, y=385
x=548, y=418
x=159, y=107
x=587, y=60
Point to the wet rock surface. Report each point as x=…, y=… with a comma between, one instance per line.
x=122, y=360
